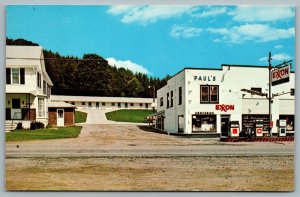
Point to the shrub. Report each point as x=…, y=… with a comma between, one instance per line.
x=19, y=126
x=36, y=125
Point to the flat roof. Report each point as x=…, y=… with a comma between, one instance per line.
x=100, y=99
x=221, y=67
x=58, y=104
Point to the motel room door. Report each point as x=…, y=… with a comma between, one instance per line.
x=16, y=112
x=60, y=118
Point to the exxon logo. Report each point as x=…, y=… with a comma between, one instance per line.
x=224, y=107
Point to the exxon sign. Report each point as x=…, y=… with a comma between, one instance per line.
x=281, y=75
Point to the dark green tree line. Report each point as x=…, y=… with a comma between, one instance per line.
x=93, y=76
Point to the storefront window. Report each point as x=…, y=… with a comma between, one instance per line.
x=204, y=123
x=289, y=121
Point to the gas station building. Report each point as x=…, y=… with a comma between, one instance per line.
x=208, y=100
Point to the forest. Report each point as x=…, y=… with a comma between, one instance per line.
x=91, y=75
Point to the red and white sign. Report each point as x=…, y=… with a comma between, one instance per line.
x=259, y=132
x=224, y=107
x=281, y=75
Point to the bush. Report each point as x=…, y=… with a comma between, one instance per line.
x=19, y=126
x=36, y=125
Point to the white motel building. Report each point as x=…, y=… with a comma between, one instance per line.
x=99, y=102
x=201, y=100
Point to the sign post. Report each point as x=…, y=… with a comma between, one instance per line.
x=270, y=99
x=277, y=75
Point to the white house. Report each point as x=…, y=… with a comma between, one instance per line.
x=204, y=100
x=98, y=102
x=28, y=85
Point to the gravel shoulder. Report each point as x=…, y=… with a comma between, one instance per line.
x=134, y=158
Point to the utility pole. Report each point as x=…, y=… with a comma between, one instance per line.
x=153, y=98
x=270, y=97
x=153, y=95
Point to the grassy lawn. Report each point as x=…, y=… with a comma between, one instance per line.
x=43, y=134
x=80, y=116
x=128, y=115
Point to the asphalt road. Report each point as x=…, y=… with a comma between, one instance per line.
x=139, y=141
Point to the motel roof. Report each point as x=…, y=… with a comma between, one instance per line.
x=60, y=104
x=100, y=99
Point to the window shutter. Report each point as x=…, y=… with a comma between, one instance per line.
x=22, y=75
x=8, y=76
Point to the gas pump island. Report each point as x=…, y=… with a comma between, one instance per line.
x=277, y=75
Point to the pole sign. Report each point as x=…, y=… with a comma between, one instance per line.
x=280, y=75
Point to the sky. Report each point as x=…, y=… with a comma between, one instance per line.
x=160, y=40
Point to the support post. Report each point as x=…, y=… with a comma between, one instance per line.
x=270, y=96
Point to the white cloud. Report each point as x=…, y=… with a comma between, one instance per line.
x=252, y=32
x=128, y=65
x=148, y=14
x=211, y=11
x=277, y=57
x=184, y=31
x=279, y=46
x=262, y=13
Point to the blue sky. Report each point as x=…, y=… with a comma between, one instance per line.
x=160, y=40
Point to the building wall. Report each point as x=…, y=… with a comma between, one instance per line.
x=231, y=80
x=172, y=113
x=69, y=116
x=108, y=105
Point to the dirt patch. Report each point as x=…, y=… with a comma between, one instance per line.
x=152, y=174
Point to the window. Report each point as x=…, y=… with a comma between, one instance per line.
x=256, y=90
x=119, y=105
x=168, y=102
x=15, y=72
x=39, y=80
x=131, y=104
x=15, y=76
x=141, y=104
x=204, y=123
x=209, y=94
x=214, y=94
x=161, y=101
x=292, y=92
x=171, y=98
x=126, y=105
x=48, y=91
x=112, y=104
x=83, y=103
x=41, y=107
x=90, y=103
x=290, y=120
x=146, y=105
x=44, y=87
x=179, y=95
x=73, y=103
x=103, y=103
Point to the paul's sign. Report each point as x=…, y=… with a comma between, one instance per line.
x=205, y=78
x=280, y=75
x=224, y=107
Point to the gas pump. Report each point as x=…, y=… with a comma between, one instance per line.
x=234, y=128
x=259, y=128
x=282, y=127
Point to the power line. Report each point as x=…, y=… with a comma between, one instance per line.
x=59, y=59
